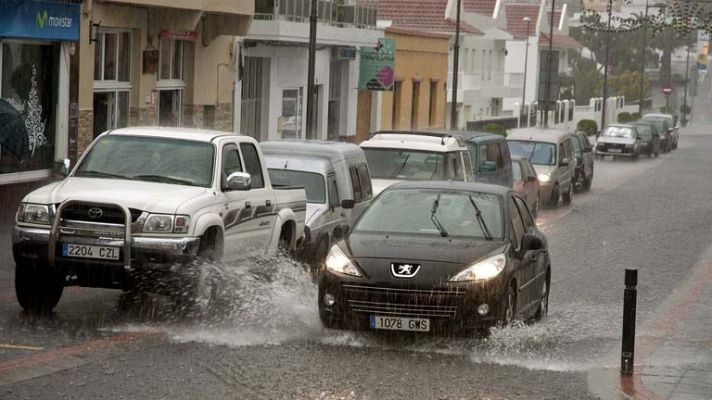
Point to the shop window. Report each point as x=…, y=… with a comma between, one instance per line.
x=112, y=80
x=291, y=120
x=111, y=110
x=28, y=97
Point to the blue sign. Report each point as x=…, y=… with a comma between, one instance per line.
x=39, y=20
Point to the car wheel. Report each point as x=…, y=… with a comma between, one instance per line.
x=38, y=288
x=509, y=307
x=543, y=309
x=569, y=194
x=554, y=199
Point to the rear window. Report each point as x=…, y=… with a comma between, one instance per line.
x=538, y=153
x=414, y=165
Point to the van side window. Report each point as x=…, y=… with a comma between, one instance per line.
x=252, y=164
x=334, y=200
x=356, y=185
x=505, y=160
x=561, y=152
x=366, y=188
x=576, y=144
x=489, y=157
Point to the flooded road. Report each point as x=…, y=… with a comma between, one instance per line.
x=264, y=339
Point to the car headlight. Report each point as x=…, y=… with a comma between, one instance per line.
x=33, y=214
x=339, y=262
x=483, y=270
x=162, y=223
x=544, y=178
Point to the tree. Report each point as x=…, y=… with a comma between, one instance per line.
x=627, y=83
x=585, y=79
x=587, y=126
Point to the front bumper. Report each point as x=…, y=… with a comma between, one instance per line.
x=611, y=151
x=450, y=308
x=31, y=244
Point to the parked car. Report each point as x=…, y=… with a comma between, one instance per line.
x=619, y=140
x=416, y=156
x=662, y=125
x=437, y=256
x=583, y=151
x=337, y=183
x=141, y=200
x=672, y=127
x=490, y=157
x=649, y=138
x=551, y=153
x=526, y=183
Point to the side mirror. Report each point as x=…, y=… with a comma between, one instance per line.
x=488, y=166
x=239, y=181
x=340, y=232
x=65, y=167
x=531, y=242
x=565, y=162
x=347, y=204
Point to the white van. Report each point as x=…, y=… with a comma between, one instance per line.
x=336, y=179
x=416, y=156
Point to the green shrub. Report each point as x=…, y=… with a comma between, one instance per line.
x=634, y=117
x=587, y=126
x=495, y=128
x=624, y=117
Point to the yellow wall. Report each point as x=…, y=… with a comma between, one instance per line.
x=418, y=59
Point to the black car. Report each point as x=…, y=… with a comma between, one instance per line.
x=649, y=138
x=583, y=151
x=437, y=256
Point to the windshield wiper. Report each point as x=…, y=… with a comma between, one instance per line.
x=433, y=218
x=398, y=171
x=99, y=174
x=163, y=179
x=481, y=220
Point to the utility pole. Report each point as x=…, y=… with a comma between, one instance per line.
x=311, y=89
x=548, y=66
x=642, y=60
x=526, y=58
x=687, y=84
x=455, y=62
x=605, y=67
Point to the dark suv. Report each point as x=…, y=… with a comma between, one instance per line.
x=583, y=151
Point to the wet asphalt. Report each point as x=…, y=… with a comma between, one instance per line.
x=654, y=215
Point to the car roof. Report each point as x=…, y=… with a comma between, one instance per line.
x=440, y=141
x=453, y=185
x=538, y=134
x=621, y=125
x=334, y=151
x=198, y=135
x=654, y=115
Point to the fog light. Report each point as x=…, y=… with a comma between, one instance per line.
x=329, y=299
x=483, y=309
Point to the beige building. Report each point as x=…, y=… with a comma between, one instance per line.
x=158, y=62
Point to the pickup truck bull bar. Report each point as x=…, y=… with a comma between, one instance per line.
x=67, y=227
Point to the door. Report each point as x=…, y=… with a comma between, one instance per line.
x=537, y=268
x=526, y=268
x=258, y=230
x=234, y=214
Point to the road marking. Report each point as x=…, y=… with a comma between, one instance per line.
x=20, y=347
x=632, y=386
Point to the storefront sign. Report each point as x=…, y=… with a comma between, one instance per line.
x=191, y=36
x=377, y=67
x=39, y=20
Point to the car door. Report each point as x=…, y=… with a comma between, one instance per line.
x=531, y=192
x=234, y=214
x=537, y=268
x=525, y=268
x=259, y=228
x=587, y=156
x=566, y=172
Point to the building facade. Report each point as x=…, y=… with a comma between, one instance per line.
x=272, y=81
x=158, y=62
x=38, y=40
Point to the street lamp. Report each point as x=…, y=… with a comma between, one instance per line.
x=687, y=83
x=455, y=62
x=661, y=6
x=548, y=67
x=311, y=72
x=605, y=66
x=526, y=58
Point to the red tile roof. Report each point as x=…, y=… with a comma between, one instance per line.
x=557, y=17
x=426, y=15
x=563, y=41
x=515, y=15
x=484, y=7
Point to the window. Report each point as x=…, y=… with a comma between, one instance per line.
x=524, y=211
x=576, y=145
x=112, y=76
x=170, y=107
x=171, y=60
x=517, y=224
x=365, y=179
x=356, y=184
x=414, y=106
x=170, y=83
x=505, y=159
x=433, y=103
x=231, y=161
x=334, y=200
x=561, y=152
x=467, y=165
x=252, y=164
x=291, y=120
x=336, y=77
x=251, y=96
x=490, y=157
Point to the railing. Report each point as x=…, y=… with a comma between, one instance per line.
x=360, y=14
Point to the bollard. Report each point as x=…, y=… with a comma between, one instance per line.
x=629, y=303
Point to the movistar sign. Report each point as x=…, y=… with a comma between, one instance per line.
x=39, y=20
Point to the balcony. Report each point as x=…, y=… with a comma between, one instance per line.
x=229, y=7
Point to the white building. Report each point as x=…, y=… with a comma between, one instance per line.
x=271, y=88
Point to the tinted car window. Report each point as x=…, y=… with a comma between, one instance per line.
x=231, y=160
x=539, y=153
x=356, y=185
x=524, y=211
x=517, y=224
x=252, y=164
x=490, y=157
x=366, y=189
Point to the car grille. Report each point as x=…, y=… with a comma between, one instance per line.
x=110, y=215
x=402, y=302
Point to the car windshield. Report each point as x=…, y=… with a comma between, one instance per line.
x=618, y=132
x=174, y=161
x=538, y=153
x=411, y=165
x=313, y=183
x=409, y=211
x=516, y=171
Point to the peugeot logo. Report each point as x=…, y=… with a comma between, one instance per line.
x=400, y=270
x=95, y=213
